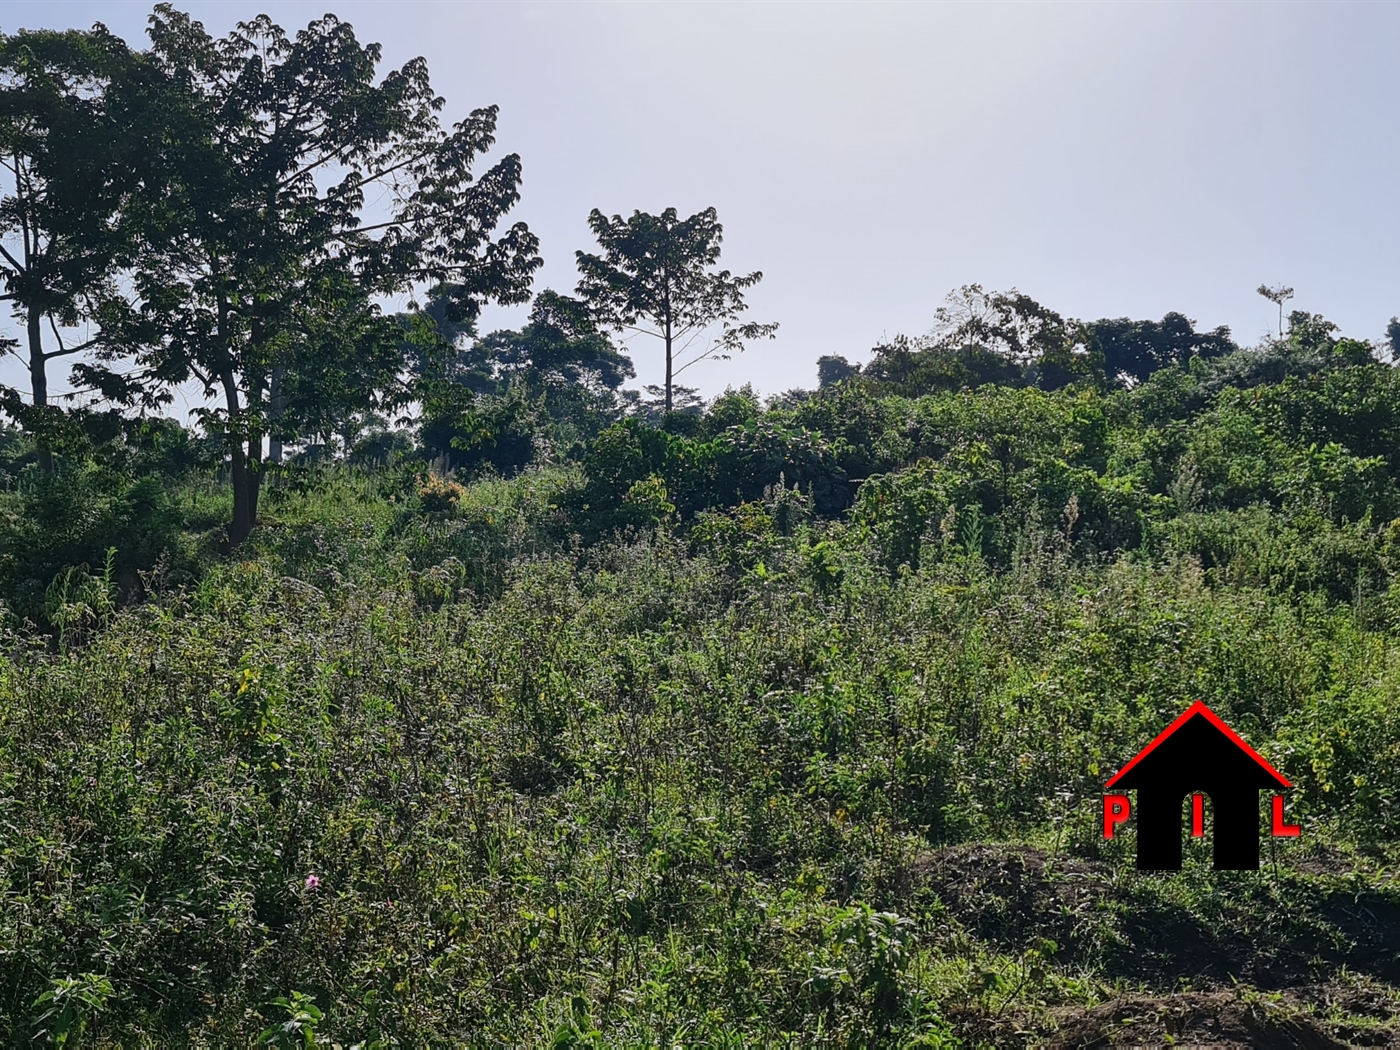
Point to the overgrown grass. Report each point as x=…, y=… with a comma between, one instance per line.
x=446, y=775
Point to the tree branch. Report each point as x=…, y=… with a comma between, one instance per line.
x=366, y=229
x=19, y=266
x=394, y=167
x=641, y=331
x=694, y=361
x=364, y=180
x=65, y=352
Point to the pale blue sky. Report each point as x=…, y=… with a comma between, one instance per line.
x=1107, y=159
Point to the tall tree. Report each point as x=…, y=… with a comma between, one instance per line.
x=1278, y=295
x=261, y=280
x=72, y=107
x=656, y=276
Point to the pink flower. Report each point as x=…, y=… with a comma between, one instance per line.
x=312, y=882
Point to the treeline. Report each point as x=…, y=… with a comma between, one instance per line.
x=1276, y=460
x=234, y=212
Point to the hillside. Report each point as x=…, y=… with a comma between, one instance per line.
x=764, y=725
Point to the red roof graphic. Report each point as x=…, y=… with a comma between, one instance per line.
x=1199, y=708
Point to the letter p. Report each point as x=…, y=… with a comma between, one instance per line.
x=1115, y=810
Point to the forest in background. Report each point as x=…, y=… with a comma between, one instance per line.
x=431, y=686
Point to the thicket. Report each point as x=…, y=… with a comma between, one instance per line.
x=678, y=740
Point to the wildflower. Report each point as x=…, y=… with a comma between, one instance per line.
x=312, y=882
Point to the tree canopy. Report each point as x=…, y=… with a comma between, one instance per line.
x=260, y=276
x=656, y=275
x=75, y=184
x=1133, y=350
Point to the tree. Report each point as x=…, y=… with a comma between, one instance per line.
x=71, y=166
x=560, y=346
x=1278, y=294
x=1052, y=350
x=1009, y=323
x=912, y=367
x=473, y=390
x=833, y=368
x=342, y=365
x=260, y=278
x=980, y=338
x=655, y=276
x=1133, y=350
x=649, y=404
x=1311, y=332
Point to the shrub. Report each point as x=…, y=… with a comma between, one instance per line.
x=438, y=495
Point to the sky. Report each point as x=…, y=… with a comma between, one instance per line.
x=1108, y=160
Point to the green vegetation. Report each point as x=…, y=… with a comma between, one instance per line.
x=546, y=714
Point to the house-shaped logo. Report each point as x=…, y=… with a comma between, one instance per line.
x=1197, y=755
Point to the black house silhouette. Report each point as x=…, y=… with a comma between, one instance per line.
x=1198, y=753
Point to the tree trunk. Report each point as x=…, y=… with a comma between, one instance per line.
x=245, y=467
x=39, y=385
x=274, y=441
x=255, y=476
x=243, y=509
x=668, y=367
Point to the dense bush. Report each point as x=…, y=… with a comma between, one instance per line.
x=678, y=743
x=436, y=690
x=57, y=532
x=647, y=792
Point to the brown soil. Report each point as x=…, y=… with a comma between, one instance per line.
x=1315, y=1019
x=1222, y=1018
x=1322, y=975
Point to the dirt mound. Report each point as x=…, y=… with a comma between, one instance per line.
x=1298, y=958
x=1354, y=1013
x=1217, y=1019
x=1273, y=930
